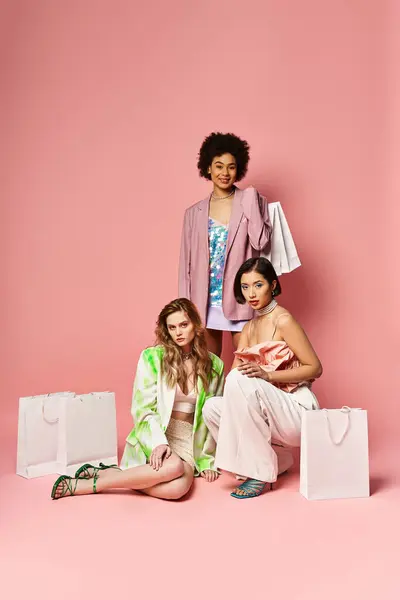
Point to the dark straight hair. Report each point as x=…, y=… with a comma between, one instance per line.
x=260, y=265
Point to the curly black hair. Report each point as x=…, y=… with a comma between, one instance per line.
x=217, y=144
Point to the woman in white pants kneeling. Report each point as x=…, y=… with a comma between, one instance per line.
x=258, y=418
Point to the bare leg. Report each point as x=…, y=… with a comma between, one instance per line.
x=214, y=341
x=168, y=490
x=136, y=478
x=175, y=489
x=235, y=339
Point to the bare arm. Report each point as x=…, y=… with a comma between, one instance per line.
x=295, y=337
x=243, y=343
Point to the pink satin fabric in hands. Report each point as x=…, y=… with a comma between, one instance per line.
x=273, y=356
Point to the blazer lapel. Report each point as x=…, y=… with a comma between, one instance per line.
x=165, y=401
x=203, y=210
x=236, y=217
x=199, y=404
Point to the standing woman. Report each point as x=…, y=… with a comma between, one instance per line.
x=219, y=234
x=170, y=442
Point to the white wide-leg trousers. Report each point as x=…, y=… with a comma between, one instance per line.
x=254, y=423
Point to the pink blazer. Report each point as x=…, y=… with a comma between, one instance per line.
x=249, y=234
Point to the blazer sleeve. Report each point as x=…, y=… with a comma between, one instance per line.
x=185, y=258
x=221, y=381
x=207, y=457
x=259, y=226
x=147, y=420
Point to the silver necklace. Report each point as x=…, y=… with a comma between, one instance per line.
x=187, y=355
x=267, y=309
x=222, y=197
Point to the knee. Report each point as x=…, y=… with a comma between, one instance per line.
x=180, y=488
x=242, y=388
x=210, y=409
x=236, y=381
x=232, y=378
x=173, y=468
x=206, y=412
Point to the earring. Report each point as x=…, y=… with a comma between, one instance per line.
x=273, y=293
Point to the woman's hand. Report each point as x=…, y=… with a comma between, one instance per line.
x=158, y=454
x=253, y=370
x=209, y=475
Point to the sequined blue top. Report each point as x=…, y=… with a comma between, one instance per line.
x=217, y=238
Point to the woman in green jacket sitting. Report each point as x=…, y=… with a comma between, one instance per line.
x=170, y=442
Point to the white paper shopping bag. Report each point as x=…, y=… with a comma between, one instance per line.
x=38, y=422
x=282, y=251
x=87, y=431
x=334, y=454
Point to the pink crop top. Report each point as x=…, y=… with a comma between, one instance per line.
x=185, y=403
x=273, y=356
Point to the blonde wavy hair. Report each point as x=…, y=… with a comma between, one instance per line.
x=172, y=366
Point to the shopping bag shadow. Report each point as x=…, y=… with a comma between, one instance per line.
x=377, y=483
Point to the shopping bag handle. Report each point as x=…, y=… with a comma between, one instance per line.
x=346, y=410
x=49, y=421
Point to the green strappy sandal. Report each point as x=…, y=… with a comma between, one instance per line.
x=252, y=488
x=69, y=486
x=83, y=471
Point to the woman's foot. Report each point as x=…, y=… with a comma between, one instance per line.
x=72, y=486
x=251, y=488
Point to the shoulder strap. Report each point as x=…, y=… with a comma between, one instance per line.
x=250, y=330
x=276, y=322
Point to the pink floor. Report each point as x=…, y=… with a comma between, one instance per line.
x=127, y=545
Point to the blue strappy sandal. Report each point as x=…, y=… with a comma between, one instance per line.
x=252, y=488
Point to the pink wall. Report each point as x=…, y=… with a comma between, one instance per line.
x=104, y=109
